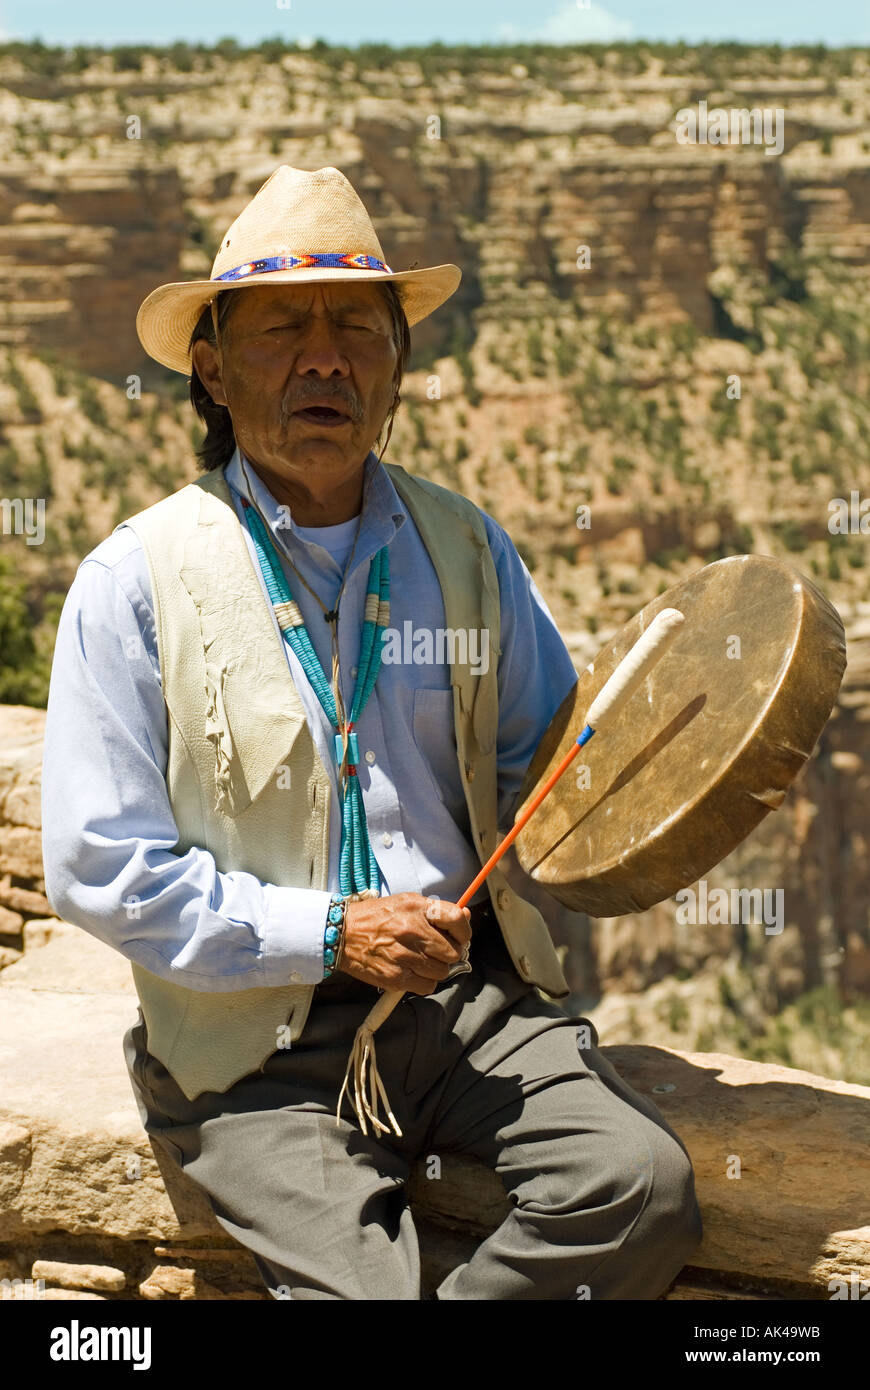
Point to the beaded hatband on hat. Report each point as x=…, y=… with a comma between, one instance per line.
x=301, y=226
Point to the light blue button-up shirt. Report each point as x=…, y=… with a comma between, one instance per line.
x=108, y=829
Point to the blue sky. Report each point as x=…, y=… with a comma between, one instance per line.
x=452, y=21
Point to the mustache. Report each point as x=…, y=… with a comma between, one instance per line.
x=323, y=393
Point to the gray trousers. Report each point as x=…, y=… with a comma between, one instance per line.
x=602, y=1189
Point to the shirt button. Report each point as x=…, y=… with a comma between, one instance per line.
x=370, y=757
x=295, y=976
x=387, y=838
x=524, y=965
x=353, y=671
x=502, y=898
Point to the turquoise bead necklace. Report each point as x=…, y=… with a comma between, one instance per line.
x=358, y=868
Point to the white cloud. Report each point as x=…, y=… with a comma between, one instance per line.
x=573, y=23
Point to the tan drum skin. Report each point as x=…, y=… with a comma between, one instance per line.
x=702, y=751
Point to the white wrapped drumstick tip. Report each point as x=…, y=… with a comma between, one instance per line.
x=635, y=666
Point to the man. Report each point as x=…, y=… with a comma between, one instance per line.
x=273, y=821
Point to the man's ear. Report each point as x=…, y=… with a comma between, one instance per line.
x=206, y=360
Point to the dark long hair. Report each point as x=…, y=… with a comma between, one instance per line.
x=220, y=441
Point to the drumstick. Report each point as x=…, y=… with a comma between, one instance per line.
x=617, y=689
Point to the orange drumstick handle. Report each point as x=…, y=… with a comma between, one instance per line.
x=388, y=1001
x=529, y=811
x=363, y=1046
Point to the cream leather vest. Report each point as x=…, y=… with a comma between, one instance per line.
x=238, y=739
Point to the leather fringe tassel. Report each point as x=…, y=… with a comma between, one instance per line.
x=363, y=1067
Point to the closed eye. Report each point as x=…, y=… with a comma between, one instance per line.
x=359, y=327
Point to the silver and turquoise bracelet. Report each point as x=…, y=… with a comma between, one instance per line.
x=333, y=937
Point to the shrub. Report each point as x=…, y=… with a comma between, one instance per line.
x=17, y=648
x=92, y=405
x=791, y=533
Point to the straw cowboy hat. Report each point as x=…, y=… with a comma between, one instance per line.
x=300, y=226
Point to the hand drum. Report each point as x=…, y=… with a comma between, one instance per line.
x=705, y=747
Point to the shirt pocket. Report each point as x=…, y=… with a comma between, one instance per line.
x=434, y=736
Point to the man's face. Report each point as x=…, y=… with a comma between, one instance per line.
x=289, y=350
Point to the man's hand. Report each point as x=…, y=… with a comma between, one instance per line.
x=404, y=941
